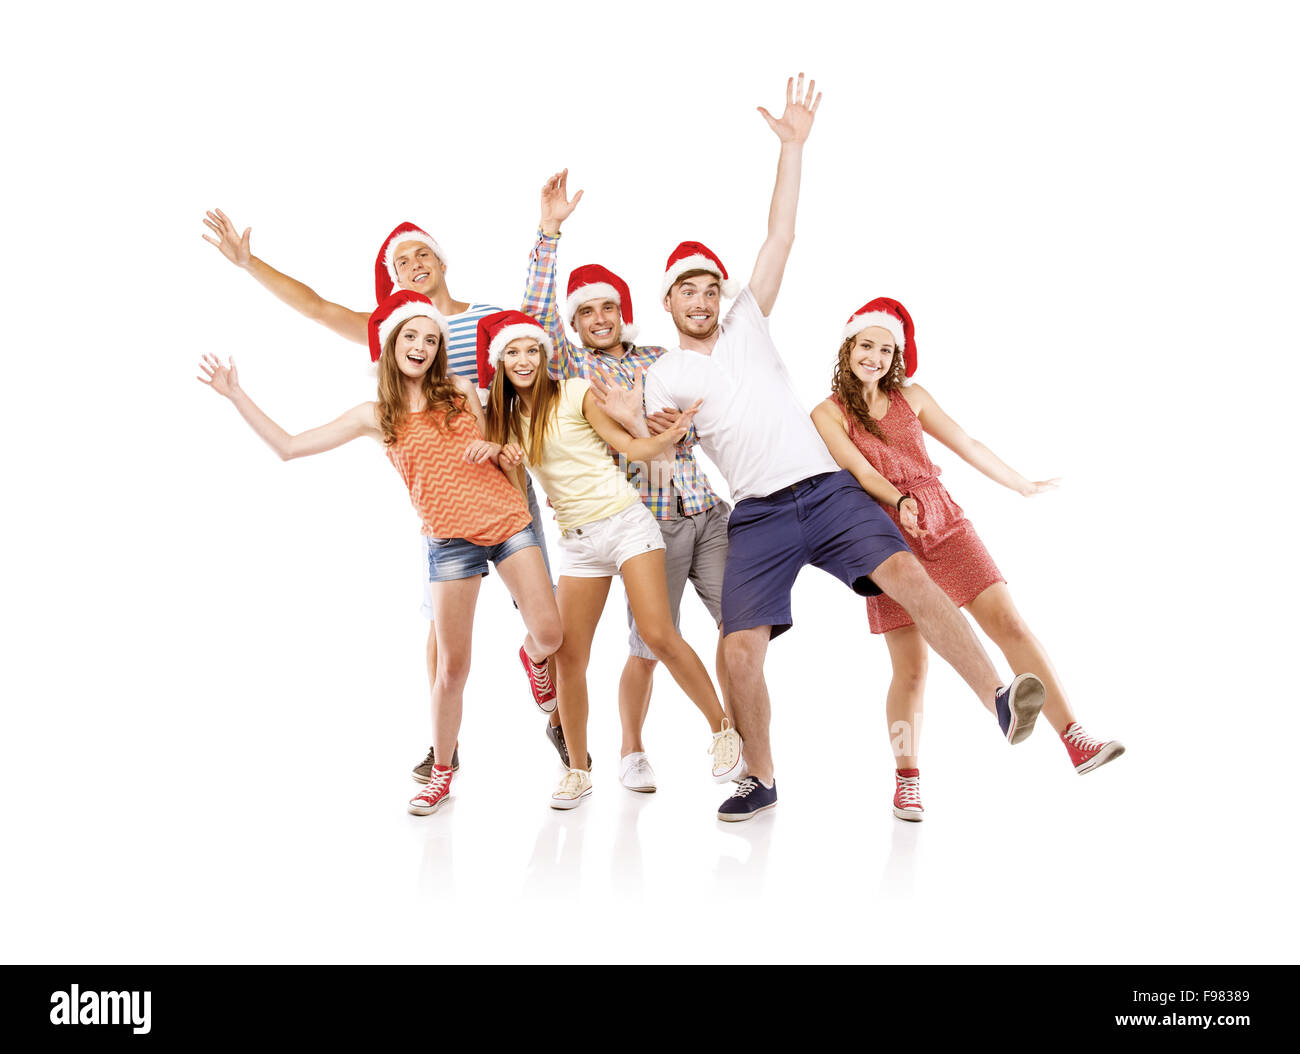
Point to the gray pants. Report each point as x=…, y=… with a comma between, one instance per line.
x=695, y=548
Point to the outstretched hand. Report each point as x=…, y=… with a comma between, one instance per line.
x=234, y=246
x=1041, y=486
x=556, y=206
x=624, y=405
x=221, y=379
x=800, y=107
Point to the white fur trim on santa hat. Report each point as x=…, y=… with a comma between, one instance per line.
x=590, y=291
x=876, y=318
x=410, y=236
x=698, y=262
x=513, y=332
x=598, y=291
x=407, y=312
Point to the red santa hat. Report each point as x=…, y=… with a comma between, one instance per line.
x=385, y=272
x=890, y=315
x=593, y=282
x=497, y=330
x=396, y=309
x=696, y=256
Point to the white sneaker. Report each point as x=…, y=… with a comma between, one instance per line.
x=636, y=774
x=728, y=754
x=573, y=789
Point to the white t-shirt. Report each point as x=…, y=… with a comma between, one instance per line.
x=750, y=424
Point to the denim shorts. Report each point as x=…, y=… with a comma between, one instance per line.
x=451, y=559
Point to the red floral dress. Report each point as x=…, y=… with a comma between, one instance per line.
x=951, y=552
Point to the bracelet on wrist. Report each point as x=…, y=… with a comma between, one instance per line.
x=898, y=507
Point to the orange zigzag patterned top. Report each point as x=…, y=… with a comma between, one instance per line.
x=454, y=498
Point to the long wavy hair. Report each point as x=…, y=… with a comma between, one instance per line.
x=849, y=388
x=505, y=413
x=437, y=387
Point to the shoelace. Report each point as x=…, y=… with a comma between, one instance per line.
x=909, y=790
x=744, y=787
x=1081, y=739
x=541, y=677
x=725, y=747
x=641, y=769
x=571, y=784
x=437, y=784
x=427, y=761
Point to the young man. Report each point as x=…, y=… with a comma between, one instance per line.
x=692, y=518
x=794, y=505
x=408, y=258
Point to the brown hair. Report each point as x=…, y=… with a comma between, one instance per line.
x=505, y=416
x=849, y=388
x=437, y=387
x=694, y=273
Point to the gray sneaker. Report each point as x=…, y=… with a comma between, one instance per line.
x=424, y=770
x=556, y=735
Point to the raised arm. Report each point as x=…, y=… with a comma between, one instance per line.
x=636, y=448
x=938, y=424
x=834, y=431
x=539, y=293
x=357, y=422
x=348, y=324
x=792, y=129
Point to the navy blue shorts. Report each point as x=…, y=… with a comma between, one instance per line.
x=828, y=521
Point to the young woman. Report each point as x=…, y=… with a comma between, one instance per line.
x=431, y=424
x=558, y=429
x=873, y=424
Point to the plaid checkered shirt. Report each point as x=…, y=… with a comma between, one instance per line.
x=689, y=484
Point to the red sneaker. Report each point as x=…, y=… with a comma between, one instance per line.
x=1087, y=753
x=435, y=793
x=907, y=795
x=539, y=680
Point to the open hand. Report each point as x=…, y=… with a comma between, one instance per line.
x=1040, y=487
x=221, y=379
x=233, y=246
x=511, y=456
x=797, y=121
x=556, y=206
x=624, y=405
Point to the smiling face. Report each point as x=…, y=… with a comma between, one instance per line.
x=416, y=346
x=599, y=324
x=418, y=268
x=521, y=360
x=872, y=356
x=695, y=303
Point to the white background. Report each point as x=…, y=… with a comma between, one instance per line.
x=213, y=675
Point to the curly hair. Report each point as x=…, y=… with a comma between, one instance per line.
x=849, y=388
x=437, y=387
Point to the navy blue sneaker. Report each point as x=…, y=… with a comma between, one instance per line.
x=748, y=799
x=1018, y=705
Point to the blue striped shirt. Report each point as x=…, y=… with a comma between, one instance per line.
x=462, y=349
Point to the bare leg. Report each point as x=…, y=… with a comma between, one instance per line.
x=750, y=705
x=634, y=689
x=524, y=574
x=906, y=699
x=581, y=601
x=453, y=606
x=724, y=687
x=904, y=579
x=647, y=593
x=998, y=617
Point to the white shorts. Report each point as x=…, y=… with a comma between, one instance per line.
x=598, y=550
